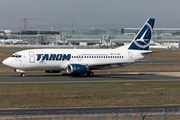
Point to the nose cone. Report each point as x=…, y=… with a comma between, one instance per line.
x=9, y=62
x=6, y=62
x=12, y=63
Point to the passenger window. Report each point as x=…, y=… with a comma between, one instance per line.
x=84, y=56
x=89, y=56
x=122, y=56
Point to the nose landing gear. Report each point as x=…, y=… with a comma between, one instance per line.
x=21, y=71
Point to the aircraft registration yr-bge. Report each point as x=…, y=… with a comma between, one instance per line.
x=83, y=61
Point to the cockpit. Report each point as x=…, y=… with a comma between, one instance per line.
x=16, y=55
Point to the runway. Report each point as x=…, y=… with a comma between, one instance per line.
x=91, y=110
x=65, y=78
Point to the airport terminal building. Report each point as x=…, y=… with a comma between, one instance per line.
x=93, y=36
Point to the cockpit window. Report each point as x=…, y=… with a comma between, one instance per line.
x=12, y=55
x=16, y=55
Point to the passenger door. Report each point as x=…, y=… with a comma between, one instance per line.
x=31, y=57
x=130, y=56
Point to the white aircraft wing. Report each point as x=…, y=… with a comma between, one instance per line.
x=100, y=65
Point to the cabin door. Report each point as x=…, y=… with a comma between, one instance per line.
x=31, y=57
x=130, y=56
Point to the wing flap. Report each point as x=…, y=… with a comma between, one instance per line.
x=108, y=65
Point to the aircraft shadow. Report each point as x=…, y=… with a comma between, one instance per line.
x=75, y=76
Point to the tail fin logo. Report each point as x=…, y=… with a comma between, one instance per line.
x=142, y=39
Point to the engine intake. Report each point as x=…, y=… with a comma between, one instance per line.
x=76, y=69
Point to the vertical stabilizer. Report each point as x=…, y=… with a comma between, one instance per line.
x=142, y=39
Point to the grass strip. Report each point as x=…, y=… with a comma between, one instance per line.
x=88, y=94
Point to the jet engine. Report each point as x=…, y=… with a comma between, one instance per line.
x=76, y=69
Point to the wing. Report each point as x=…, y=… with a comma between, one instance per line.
x=96, y=66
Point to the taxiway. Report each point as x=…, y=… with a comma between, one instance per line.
x=91, y=111
x=65, y=78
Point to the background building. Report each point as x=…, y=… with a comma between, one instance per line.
x=92, y=36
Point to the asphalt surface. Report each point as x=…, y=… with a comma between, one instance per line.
x=65, y=78
x=91, y=111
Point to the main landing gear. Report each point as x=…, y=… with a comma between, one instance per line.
x=90, y=74
x=23, y=75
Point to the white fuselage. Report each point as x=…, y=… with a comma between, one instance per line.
x=53, y=59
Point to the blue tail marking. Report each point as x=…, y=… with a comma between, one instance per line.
x=142, y=39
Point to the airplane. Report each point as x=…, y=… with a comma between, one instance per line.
x=154, y=45
x=83, y=61
x=107, y=44
x=9, y=41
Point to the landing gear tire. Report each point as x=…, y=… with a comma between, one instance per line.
x=90, y=74
x=23, y=75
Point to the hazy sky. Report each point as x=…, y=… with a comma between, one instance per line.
x=87, y=12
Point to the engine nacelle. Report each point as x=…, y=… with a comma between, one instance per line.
x=52, y=71
x=76, y=69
